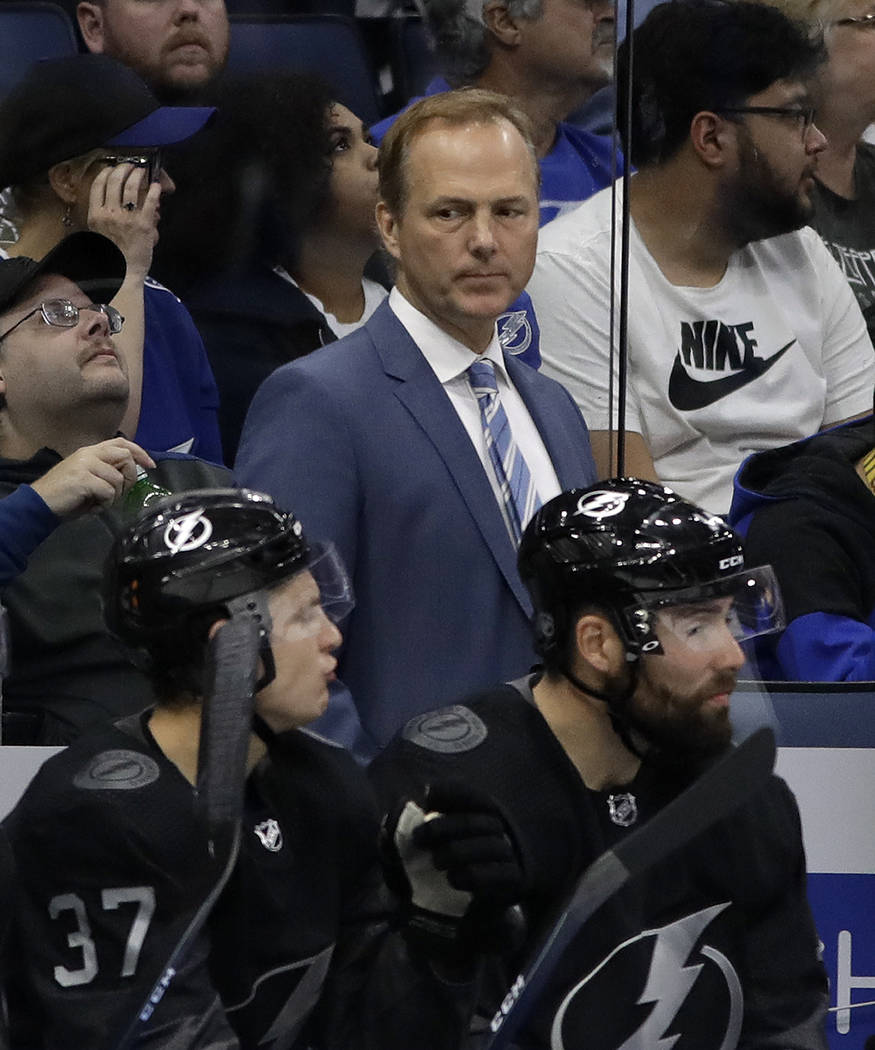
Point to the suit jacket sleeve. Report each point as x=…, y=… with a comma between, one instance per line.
x=317, y=479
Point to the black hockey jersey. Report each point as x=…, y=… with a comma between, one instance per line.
x=113, y=863
x=711, y=950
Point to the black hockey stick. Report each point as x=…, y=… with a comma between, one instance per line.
x=226, y=721
x=713, y=796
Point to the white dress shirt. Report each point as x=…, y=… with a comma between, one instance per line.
x=449, y=360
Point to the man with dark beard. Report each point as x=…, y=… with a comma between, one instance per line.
x=642, y=603
x=741, y=334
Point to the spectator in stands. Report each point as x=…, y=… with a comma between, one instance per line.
x=80, y=143
x=380, y=435
x=809, y=508
x=281, y=232
x=177, y=46
x=599, y=114
x=64, y=387
x=743, y=334
x=844, y=186
x=549, y=56
x=88, y=480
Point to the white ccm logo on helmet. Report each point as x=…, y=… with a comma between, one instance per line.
x=731, y=561
x=602, y=504
x=188, y=532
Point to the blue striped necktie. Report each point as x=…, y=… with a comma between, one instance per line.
x=514, y=478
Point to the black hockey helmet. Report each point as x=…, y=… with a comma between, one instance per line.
x=197, y=551
x=632, y=547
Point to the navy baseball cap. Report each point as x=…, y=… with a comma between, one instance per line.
x=64, y=107
x=89, y=260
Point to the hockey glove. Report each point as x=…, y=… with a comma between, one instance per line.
x=456, y=865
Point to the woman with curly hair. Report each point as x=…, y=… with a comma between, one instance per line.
x=281, y=234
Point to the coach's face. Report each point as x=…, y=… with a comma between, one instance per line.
x=465, y=241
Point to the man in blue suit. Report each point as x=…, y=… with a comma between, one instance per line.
x=422, y=471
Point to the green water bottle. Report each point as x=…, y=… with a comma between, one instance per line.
x=143, y=493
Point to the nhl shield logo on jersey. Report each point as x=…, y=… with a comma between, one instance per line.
x=623, y=809
x=669, y=988
x=450, y=730
x=270, y=835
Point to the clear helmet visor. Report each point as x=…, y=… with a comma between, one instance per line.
x=705, y=617
x=335, y=587
x=300, y=605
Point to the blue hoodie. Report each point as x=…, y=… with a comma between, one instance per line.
x=804, y=510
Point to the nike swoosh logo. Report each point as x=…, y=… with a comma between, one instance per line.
x=687, y=394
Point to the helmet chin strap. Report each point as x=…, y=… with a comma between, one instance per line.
x=266, y=654
x=261, y=729
x=255, y=607
x=616, y=704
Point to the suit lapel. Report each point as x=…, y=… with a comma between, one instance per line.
x=563, y=448
x=424, y=398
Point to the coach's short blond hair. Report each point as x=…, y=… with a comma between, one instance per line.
x=460, y=108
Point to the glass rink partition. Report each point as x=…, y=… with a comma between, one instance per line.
x=826, y=753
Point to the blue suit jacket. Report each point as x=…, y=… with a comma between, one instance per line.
x=360, y=440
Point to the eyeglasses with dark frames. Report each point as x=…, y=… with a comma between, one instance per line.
x=151, y=160
x=61, y=313
x=803, y=115
x=863, y=21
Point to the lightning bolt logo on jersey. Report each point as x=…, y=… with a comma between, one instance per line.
x=669, y=990
x=518, y=331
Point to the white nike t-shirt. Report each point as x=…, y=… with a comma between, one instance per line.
x=771, y=354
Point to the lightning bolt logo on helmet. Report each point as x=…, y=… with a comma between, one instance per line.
x=188, y=532
x=602, y=504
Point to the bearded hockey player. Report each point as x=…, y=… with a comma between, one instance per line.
x=302, y=947
x=642, y=603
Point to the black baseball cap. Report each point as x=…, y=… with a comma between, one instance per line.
x=63, y=107
x=89, y=260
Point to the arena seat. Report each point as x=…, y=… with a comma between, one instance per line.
x=414, y=60
x=29, y=31
x=330, y=45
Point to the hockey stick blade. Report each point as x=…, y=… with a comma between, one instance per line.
x=226, y=720
x=713, y=796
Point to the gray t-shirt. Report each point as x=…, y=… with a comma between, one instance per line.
x=848, y=230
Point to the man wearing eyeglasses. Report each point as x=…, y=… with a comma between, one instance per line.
x=81, y=140
x=63, y=392
x=742, y=332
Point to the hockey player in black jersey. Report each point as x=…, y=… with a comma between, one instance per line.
x=303, y=947
x=641, y=605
